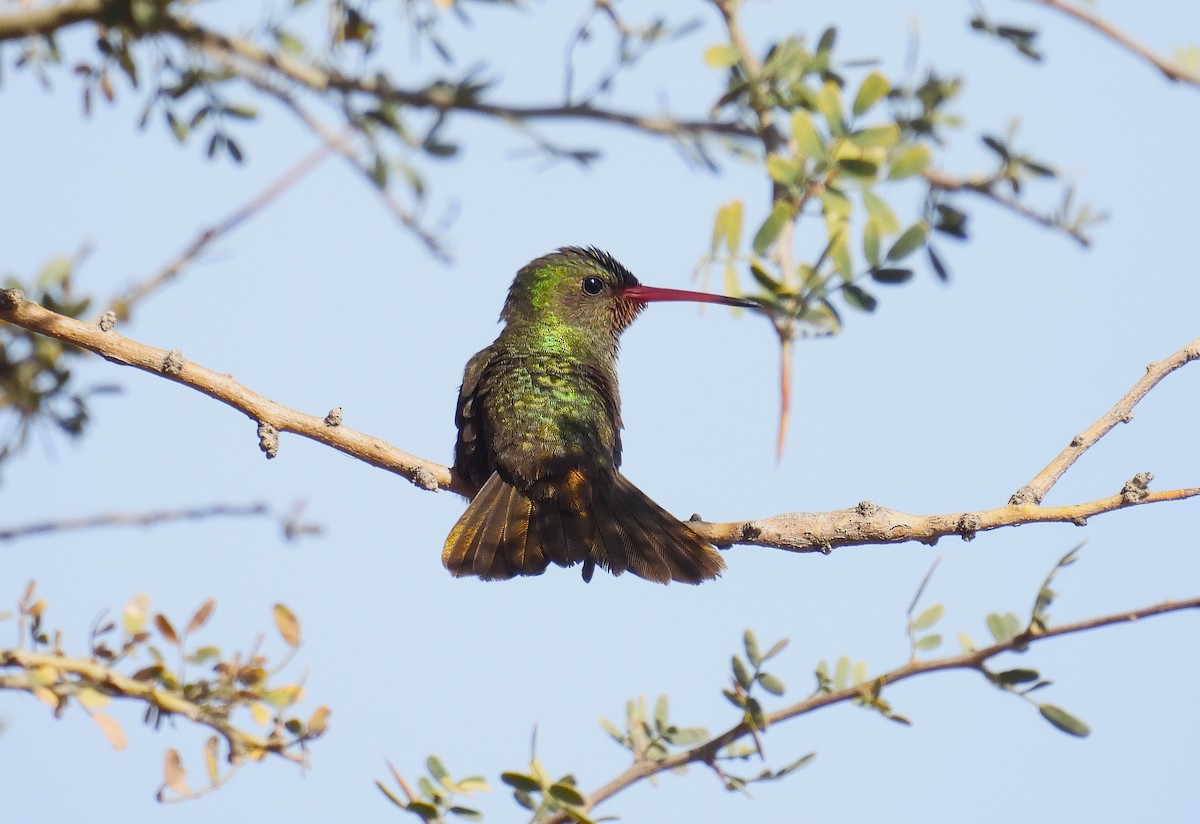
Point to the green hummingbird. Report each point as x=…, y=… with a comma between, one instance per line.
x=539, y=435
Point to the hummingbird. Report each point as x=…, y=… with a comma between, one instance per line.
x=539, y=435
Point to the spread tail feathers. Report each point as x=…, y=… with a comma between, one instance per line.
x=505, y=533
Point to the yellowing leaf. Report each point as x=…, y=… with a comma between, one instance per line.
x=111, y=729
x=260, y=714
x=133, y=618
x=174, y=775
x=288, y=626
x=91, y=698
x=202, y=615
x=210, y=759
x=720, y=56
x=318, y=722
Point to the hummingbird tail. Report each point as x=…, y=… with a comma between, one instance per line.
x=634, y=533
x=505, y=532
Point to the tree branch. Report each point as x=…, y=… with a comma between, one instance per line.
x=71, y=674
x=986, y=188
x=1122, y=412
x=46, y=20
x=866, y=523
x=707, y=752
x=1172, y=72
x=114, y=347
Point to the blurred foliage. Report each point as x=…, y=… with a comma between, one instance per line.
x=838, y=140
x=37, y=386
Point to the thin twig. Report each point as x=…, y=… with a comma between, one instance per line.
x=1122, y=412
x=707, y=752
x=340, y=143
x=132, y=519
x=1169, y=69
x=122, y=303
x=986, y=188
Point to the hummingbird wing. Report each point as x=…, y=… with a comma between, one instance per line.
x=470, y=449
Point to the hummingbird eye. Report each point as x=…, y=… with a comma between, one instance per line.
x=593, y=285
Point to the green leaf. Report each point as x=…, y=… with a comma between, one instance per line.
x=1003, y=627
x=689, y=736
x=782, y=169
x=1064, y=720
x=771, y=684
x=891, y=275
x=55, y=273
x=928, y=617
x=966, y=643
x=807, y=137
x=912, y=239
x=860, y=673
x=829, y=104
x=775, y=649
x=874, y=87
x=836, y=205
x=467, y=813
x=928, y=642
x=871, y=241
x=613, y=730
x=521, y=781
x=741, y=673
x=1017, y=676
x=752, y=653
x=434, y=765
x=424, y=809
x=841, y=673
x=764, y=279
x=878, y=209
x=566, y=794
x=755, y=712
x=242, y=111
x=472, y=784
x=728, y=227
x=737, y=699
x=769, y=232
x=881, y=137
x=939, y=268
x=909, y=162
x=859, y=299
x=720, y=56
x=661, y=713
x=858, y=167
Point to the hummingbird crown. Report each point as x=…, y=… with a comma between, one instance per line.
x=582, y=288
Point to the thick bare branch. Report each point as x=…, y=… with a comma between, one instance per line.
x=171, y=365
x=866, y=523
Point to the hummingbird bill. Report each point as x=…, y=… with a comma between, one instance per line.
x=539, y=435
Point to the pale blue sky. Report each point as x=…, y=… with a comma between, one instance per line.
x=947, y=398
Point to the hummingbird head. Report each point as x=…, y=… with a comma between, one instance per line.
x=588, y=290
